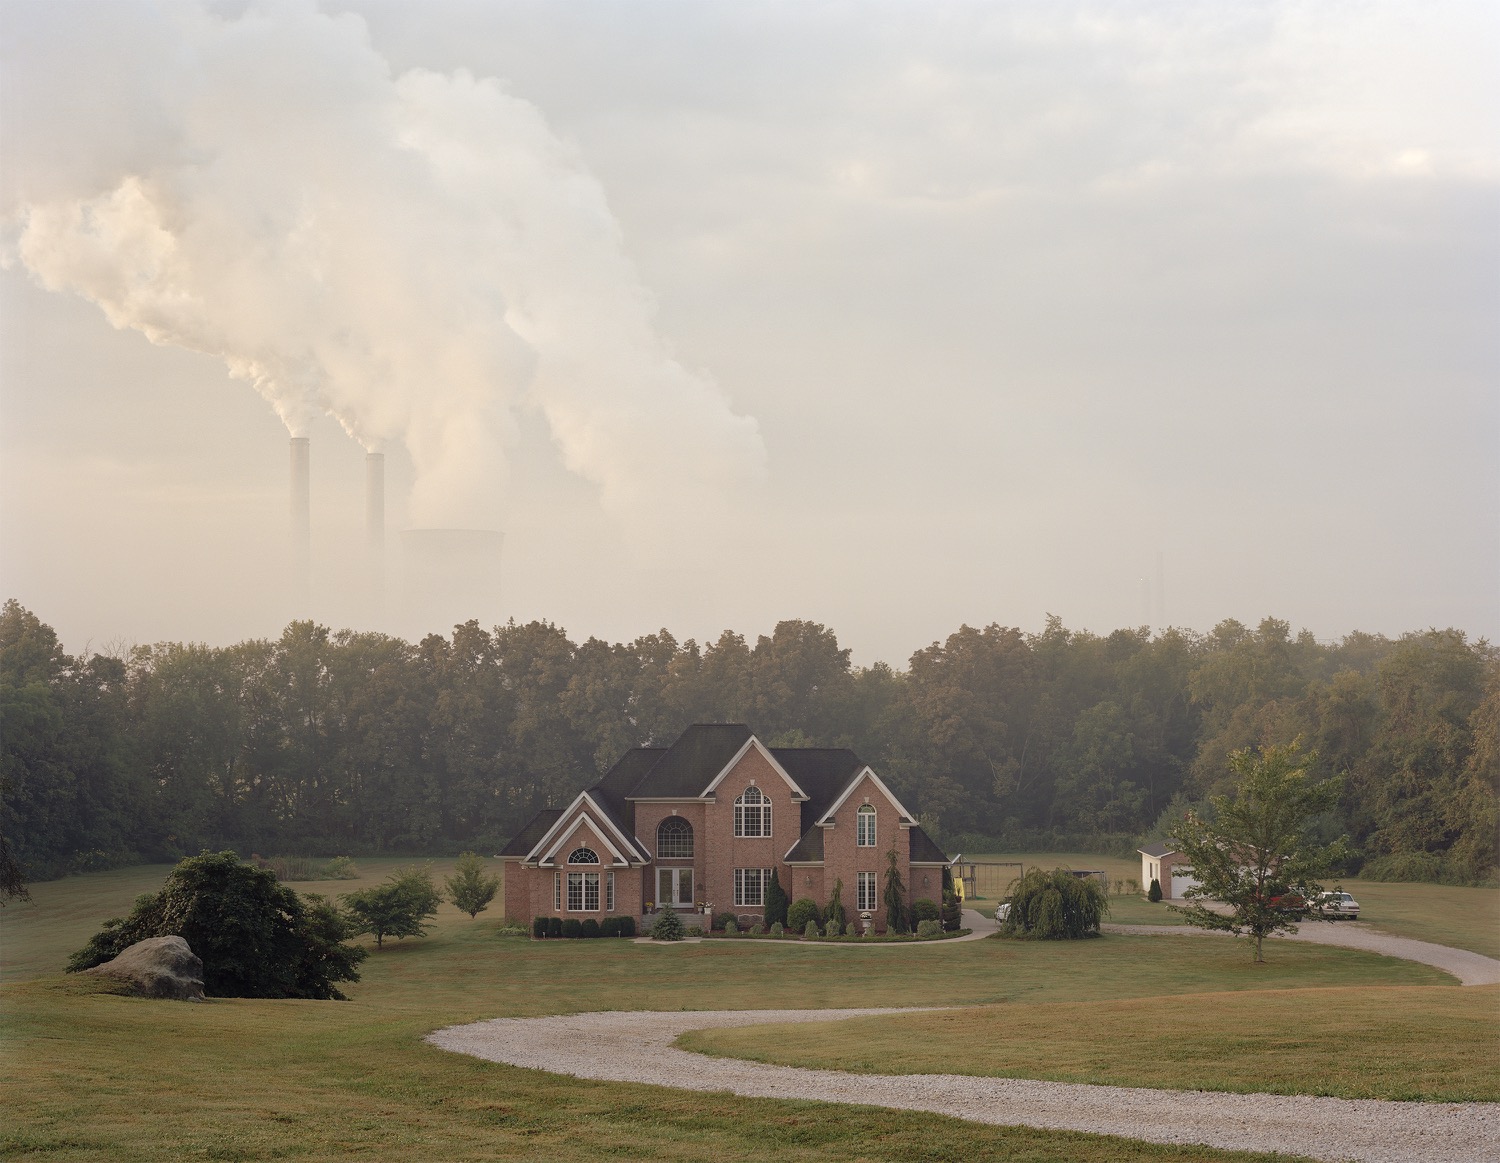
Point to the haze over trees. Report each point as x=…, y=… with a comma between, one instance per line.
x=338, y=741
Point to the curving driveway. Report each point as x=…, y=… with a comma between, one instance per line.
x=637, y=1047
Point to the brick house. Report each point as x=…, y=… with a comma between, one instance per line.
x=1169, y=867
x=700, y=825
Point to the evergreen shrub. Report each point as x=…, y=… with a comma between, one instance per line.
x=539, y=927
x=928, y=928
x=627, y=926
x=572, y=927
x=923, y=909
x=609, y=927
x=668, y=927
x=953, y=909
x=833, y=930
x=757, y=929
x=1153, y=894
x=723, y=920
x=776, y=929
x=554, y=927
x=589, y=928
x=811, y=930
x=731, y=926
x=803, y=910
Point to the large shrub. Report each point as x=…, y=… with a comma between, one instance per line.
x=572, y=927
x=256, y=938
x=539, y=927
x=923, y=909
x=803, y=909
x=554, y=927
x=1055, y=905
x=1153, y=894
x=627, y=926
x=609, y=927
x=590, y=928
x=928, y=928
x=953, y=909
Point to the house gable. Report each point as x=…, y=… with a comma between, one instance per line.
x=797, y=793
x=906, y=819
x=622, y=846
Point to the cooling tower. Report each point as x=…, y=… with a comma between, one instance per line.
x=301, y=514
x=452, y=575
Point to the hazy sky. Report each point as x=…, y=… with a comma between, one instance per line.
x=890, y=316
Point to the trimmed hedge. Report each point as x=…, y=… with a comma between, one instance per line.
x=589, y=928
x=923, y=909
x=539, y=927
x=554, y=927
x=572, y=927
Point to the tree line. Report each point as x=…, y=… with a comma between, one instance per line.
x=352, y=742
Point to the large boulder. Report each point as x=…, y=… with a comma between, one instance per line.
x=158, y=967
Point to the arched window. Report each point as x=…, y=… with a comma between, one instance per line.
x=864, y=835
x=674, y=839
x=752, y=813
x=583, y=856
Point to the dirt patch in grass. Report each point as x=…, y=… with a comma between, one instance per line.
x=1401, y=1044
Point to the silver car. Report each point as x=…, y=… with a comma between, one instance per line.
x=1336, y=906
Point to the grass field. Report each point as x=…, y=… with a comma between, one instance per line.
x=92, y=1076
x=1391, y=1043
x=1467, y=918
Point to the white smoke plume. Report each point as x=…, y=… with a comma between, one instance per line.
x=419, y=256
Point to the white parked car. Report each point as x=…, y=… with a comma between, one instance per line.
x=1336, y=906
x=1002, y=913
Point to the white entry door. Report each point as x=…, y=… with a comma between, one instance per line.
x=674, y=886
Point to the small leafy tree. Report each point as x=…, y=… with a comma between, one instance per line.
x=803, y=909
x=398, y=908
x=1259, y=856
x=777, y=901
x=894, y=896
x=256, y=937
x=469, y=888
x=1055, y=906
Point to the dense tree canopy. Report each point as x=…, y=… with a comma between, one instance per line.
x=339, y=741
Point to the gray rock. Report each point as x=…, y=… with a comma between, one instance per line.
x=158, y=967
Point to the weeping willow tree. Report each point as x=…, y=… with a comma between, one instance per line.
x=1055, y=906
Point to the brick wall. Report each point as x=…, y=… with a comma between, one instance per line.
x=724, y=852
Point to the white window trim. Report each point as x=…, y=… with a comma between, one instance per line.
x=567, y=823
x=763, y=807
x=609, y=892
x=866, y=811
x=583, y=892
x=797, y=792
x=692, y=838
x=583, y=848
x=675, y=871
x=739, y=886
x=557, y=892
x=859, y=890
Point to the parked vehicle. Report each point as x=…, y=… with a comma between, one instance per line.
x=1003, y=913
x=1336, y=906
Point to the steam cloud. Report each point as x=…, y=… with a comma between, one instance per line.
x=418, y=256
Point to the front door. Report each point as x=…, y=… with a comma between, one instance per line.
x=674, y=886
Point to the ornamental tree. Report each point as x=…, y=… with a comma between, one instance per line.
x=1055, y=906
x=469, y=888
x=894, y=897
x=398, y=908
x=1258, y=859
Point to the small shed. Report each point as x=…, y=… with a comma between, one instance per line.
x=1162, y=862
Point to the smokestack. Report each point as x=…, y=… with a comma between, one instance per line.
x=301, y=512
x=375, y=521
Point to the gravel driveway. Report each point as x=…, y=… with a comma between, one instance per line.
x=636, y=1047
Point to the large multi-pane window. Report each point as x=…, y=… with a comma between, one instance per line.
x=750, y=885
x=583, y=856
x=609, y=892
x=865, y=827
x=583, y=892
x=752, y=813
x=674, y=839
x=866, y=897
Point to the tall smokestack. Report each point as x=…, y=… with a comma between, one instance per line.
x=301, y=513
x=375, y=521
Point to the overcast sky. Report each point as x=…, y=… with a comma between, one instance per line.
x=889, y=316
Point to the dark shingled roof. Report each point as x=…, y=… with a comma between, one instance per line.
x=619, y=780
x=1158, y=849
x=700, y=753
x=822, y=772
x=525, y=840
x=924, y=851
x=809, y=848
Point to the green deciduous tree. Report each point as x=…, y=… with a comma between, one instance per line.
x=469, y=888
x=256, y=938
x=398, y=908
x=1258, y=859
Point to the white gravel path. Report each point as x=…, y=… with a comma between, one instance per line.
x=636, y=1047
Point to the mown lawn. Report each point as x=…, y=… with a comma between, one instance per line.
x=92, y=1076
x=1391, y=1043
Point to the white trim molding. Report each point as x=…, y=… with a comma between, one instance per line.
x=565, y=823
